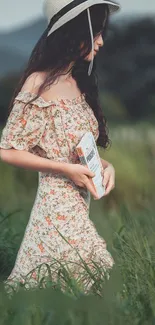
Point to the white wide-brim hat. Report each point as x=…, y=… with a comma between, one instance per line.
x=69, y=9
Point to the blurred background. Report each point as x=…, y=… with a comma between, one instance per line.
x=125, y=218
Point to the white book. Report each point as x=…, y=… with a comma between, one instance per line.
x=89, y=156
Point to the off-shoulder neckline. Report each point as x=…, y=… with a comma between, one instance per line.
x=24, y=94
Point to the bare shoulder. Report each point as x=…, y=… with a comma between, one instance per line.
x=59, y=89
x=33, y=82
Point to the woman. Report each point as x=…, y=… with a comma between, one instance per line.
x=55, y=103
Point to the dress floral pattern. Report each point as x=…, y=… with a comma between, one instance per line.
x=59, y=227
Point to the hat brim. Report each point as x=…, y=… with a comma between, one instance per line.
x=113, y=7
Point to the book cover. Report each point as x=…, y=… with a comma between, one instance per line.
x=89, y=156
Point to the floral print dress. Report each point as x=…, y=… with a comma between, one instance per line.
x=59, y=232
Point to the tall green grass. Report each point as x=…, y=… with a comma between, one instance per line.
x=128, y=296
x=125, y=219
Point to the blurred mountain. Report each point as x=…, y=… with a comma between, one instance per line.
x=126, y=66
x=16, y=46
x=10, y=61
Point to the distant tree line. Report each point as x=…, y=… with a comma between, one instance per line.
x=126, y=68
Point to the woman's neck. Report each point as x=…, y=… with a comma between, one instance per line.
x=67, y=74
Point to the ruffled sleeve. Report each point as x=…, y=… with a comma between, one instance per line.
x=26, y=124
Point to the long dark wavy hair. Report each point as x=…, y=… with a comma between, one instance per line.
x=53, y=55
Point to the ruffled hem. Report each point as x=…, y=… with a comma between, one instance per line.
x=26, y=96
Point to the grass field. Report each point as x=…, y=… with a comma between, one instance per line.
x=126, y=220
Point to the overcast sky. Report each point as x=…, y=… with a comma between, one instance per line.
x=14, y=13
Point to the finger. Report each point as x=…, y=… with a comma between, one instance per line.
x=88, y=172
x=90, y=188
x=106, y=179
x=102, y=172
x=110, y=187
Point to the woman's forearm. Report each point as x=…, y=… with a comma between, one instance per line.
x=27, y=160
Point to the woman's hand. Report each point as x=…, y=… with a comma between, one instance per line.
x=108, y=174
x=81, y=176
